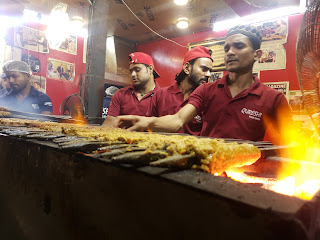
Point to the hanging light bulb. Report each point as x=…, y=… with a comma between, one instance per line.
x=181, y=2
x=76, y=25
x=182, y=23
x=57, y=28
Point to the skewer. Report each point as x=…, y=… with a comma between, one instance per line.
x=174, y=161
x=144, y=157
x=114, y=145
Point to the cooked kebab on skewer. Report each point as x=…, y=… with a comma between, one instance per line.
x=4, y=112
x=211, y=155
x=64, y=139
x=175, y=161
x=144, y=157
x=45, y=135
x=115, y=146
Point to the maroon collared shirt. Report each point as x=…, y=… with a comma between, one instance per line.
x=167, y=101
x=125, y=102
x=241, y=117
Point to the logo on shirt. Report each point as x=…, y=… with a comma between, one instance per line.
x=252, y=114
x=35, y=106
x=48, y=104
x=198, y=119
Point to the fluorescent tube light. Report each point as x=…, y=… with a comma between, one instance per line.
x=258, y=17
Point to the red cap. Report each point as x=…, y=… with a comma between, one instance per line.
x=197, y=52
x=140, y=57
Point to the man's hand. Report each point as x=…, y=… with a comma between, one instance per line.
x=168, y=123
x=133, y=122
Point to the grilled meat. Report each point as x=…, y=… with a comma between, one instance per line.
x=211, y=155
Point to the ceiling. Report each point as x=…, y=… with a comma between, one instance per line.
x=159, y=15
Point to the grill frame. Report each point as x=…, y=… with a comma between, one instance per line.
x=55, y=194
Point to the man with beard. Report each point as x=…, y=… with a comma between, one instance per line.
x=23, y=97
x=134, y=99
x=196, y=70
x=236, y=106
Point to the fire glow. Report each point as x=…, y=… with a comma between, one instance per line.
x=300, y=174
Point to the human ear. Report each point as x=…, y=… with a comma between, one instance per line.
x=186, y=67
x=150, y=67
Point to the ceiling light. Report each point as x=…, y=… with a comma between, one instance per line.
x=181, y=2
x=76, y=25
x=182, y=23
x=58, y=25
x=258, y=17
x=30, y=16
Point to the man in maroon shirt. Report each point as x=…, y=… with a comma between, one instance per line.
x=236, y=106
x=134, y=99
x=196, y=70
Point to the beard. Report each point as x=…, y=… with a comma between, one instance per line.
x=194, y=80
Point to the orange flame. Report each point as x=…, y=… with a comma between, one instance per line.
x=78, y=116
x=300, y=174
x=304, y=166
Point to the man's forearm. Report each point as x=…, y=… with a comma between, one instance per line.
x=168, y=123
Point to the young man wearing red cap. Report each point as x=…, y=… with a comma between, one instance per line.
x=135, y=99
x=237, y=106
x=196, y=70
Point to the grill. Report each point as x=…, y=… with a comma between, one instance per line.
x=51, y=190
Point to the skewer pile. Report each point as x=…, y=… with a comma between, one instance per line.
x=121, y=146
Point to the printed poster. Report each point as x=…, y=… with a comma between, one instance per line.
x=217, y=48
x=274, y=35
x=216, y=76
x=273, y=56
x=30, y=39
x=69, y=45
x=39, y=83
x=280, y=86
x=58, y=69
x=275, y=30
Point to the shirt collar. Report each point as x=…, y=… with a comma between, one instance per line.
x=33, y=92
x=175, y=88
x=256, y=87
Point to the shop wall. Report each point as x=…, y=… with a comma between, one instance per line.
x=57, y=89
x=168, y=56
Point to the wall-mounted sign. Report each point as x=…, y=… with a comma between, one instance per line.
x=31, y=39
x=58, y=69
x=217, y=48
x=69, y=45
x=39, y=83
x=280, y=86
x=274, y=35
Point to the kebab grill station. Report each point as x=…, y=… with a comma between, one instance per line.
x=64, y=176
